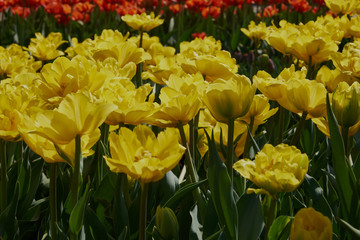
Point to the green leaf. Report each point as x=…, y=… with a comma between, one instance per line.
x=8, y=221
x=235, y=39
x=174, y=200
x=316, y=193
x=77, y=214
x=355, y=233
x=222, y=191
x=280, y=229
x=98, y=230
x=251, y=222
x=345, y=177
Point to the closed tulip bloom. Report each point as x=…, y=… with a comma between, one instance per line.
x=45, y=48
x=76, y=115
x=229, y=99
x=346, y=104
x=142, y=155
x=275, y=169
x=142, y=21
x=310, y=224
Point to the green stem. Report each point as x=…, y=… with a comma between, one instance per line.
x=248, y=140
x=125, y=187
x=52, y=196
x=143, y=211
x=281, y=124
x=271, y=216
x=75, y=178
x=3, y=174
x=188, y=159
x=299, y=127
x=230, y=149
x=310, y=69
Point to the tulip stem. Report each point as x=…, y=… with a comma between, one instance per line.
x=271, y=216
x=52, y=196
x=248, y=139
x=143, y=210
x=75, y=178
x=299, y=127
x=230, y=149
x=3, y=174
x=193, y=177
x=140, y=66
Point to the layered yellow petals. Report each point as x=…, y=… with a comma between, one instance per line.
x=256, y=32
x=143, y=156
x=229, y=99
x=310, y=224
x=259, y=110
x=132, y=107
x=176, y=107
x=331, y=78
x=349, y=60
x=76, y=115
x=305, y=96
x=45, y=48
x=275, y=169
x=142, y=22
x=342, y=6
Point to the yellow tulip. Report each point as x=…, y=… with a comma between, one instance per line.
x=346, y=104
x=45, y=48
x=310, y=224
x=256, y=32
x=259, y=110
x=76, y=115
x=142, y=22
x=305, y=96
x=229, y=99
x=142, y=155
x=175, y=107
x=349, y=60
x=323, y=125
x=275, y=169
x=342, y=6
x=331, y=78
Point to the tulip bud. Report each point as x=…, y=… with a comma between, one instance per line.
x=310, y=224
x=346, y=104
x=166, y=223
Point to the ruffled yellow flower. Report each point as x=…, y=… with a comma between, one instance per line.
x=282, y=38
x=229, y=99
x=275, y=169
x=160, y=72
x=323, y=125
x=346, y=104
x=256, y=32
x=132, y=107
x=46, y=48
x=305, y=96
x=65, y=76
x=46, y=148
x=259, y=110
x=142, y=155
x=342, y=6
x=349, y=60
x=310, y=224
x=76, y=115
x=142, y=22
x=14, y=60
x=331, y=78
x=175, y=107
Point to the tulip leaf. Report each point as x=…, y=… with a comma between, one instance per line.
x=8, y=220
x=98, y=230
x=257, y=149
x=174, y=200
x=195, y=227
x=235, y=39
x=251, y=222
x=345, y=177
x=222, y=191
x=62, y=154
x=316, y=193
x=210, y=220
x=280, y=229
x=77, y=214
x=355, y=233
